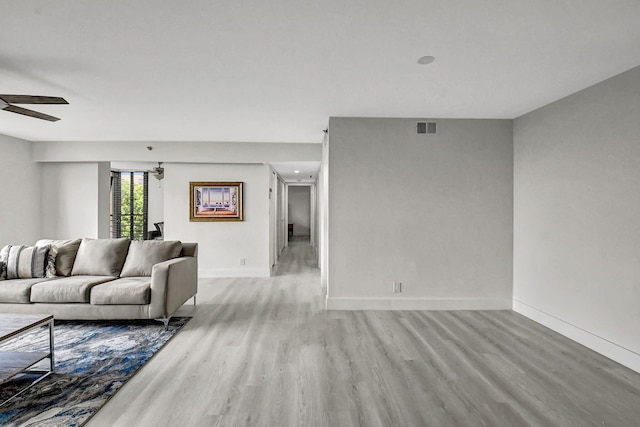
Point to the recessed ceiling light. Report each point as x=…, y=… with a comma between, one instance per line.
x=296, y=171
x=426, y=60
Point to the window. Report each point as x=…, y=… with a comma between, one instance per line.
x=129, y=204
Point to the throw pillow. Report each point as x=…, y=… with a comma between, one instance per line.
x=100, y=257
x=24, y=262
x=3, y=262
x=50, y=268
x=144, y=254
x=66, y=254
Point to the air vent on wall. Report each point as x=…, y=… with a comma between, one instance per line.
x=429, y=128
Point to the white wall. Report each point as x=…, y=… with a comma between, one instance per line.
x=103, y=184
x=156, y=201
x=300, y=209
x=20, y=204
x=282, y=216
x=221, y=245
x=431, y=211
x=273, y=218
x=323, y=214
x=174, y=151
x=75, y=200
x=577, y=217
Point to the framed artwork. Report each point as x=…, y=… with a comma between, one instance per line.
x=215, y=201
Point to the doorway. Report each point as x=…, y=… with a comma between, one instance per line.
x=292, y=204
x=301, y=215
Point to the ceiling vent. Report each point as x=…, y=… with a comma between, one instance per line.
x=429, y=128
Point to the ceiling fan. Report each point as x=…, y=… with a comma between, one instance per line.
x=157, y=172
x=7, y=101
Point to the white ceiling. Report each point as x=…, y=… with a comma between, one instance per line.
x=275, y=71
x=304, y=172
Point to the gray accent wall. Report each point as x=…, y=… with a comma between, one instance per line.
x=577, y=216
x=433, y=212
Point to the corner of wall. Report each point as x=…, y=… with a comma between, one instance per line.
x=601, y=345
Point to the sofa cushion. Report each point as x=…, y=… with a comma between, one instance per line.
x=24, y=262
x=100, y=257
x=18, y=290
x=66, y=254
x=144, y=254
x=129, y=290
x=66, y=289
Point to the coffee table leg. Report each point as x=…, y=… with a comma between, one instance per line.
x=51, y=345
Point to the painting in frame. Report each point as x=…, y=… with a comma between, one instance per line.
x=215, y=201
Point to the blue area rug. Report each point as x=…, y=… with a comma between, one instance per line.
x=93, y=359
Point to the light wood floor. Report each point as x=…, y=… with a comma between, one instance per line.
x=263, y=352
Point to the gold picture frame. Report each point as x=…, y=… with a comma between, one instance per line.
x=215, y=201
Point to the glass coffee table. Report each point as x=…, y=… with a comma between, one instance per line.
x=14, y=363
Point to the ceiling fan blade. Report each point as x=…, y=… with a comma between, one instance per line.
x=30, y=113
x=29, y=99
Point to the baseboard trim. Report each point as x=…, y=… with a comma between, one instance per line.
x=233, y=272
x=598, y=344
x=418, y=304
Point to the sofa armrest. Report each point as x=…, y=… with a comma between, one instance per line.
x=173, y=282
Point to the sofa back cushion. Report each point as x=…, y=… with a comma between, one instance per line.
x=100, y=257
x=24, y=262
x=144, y=254
x=65, y=255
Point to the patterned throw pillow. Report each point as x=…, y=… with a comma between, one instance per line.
x=24, y=262
x=50, y=267
x=64, y=254
x=3, y=262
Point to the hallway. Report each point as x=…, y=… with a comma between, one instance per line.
x=264, y=352
x=298, y=258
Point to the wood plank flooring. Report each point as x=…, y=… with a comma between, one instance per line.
x=264, y=352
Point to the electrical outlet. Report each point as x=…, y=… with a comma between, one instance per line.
x=242, y=261
x=397, y=287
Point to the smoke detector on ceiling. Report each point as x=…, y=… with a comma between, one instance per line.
x=425, y=60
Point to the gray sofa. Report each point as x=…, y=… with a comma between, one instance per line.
x=99, y=278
